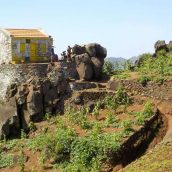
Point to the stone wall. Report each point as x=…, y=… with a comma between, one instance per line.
x=152, y=89
x=19, y=73
x=5, y=48
x=31, y=92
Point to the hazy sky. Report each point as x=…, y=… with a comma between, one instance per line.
x=125, y=27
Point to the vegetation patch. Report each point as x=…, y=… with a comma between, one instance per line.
x=80, y=140
x=6, y=160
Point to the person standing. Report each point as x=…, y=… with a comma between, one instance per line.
x=69, y=52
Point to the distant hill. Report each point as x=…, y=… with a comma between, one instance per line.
x=121, y=60
x=133, y=59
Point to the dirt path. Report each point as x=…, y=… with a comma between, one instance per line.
x=159, y=158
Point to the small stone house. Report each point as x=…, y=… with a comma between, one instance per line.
x=25, y=46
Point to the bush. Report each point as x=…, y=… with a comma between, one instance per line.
x=56, y=145
x=145, y=61
x=108, y=68
x=88, y=152
x=146, y=113
x=159, y=65
x=121, y=76
x=96, y=110
x=143, y=80
x=121, y=97
x=6, y=160
x=110, y=103
x=127, y=126
x=79, y=117
x=159, y=80
x=148, y=110
x=111, y=120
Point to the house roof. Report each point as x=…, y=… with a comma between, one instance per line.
x=29, y=33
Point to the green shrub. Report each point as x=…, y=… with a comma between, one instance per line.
x=127, y=126
x=160, y=65
x=159, y=80
x=96, y=110
x=110, y=103
x=10, y=144
x=21, y=161
x=108, y=68
x=140, y=118
x=146, y=113
x=6, y=160
x=56, y=145
x=127, y=65
x=111, y=120
x=88, y=152
x=79, y=117
x=121, y=76
x=145, y=62
x=32, y=126
x=121, y=97
x=148, y=109
x=143, y=80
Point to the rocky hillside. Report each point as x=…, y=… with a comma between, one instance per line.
x=77, y=118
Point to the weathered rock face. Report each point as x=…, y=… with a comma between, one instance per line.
x=169, y=46
x=113, y=85
x=30, y=91
x=97, y=66
x=96, y=50
x=159, y=45
x=84, y=66
x=32, y=100
x=9, y=120
x=78, y=50
x=89, y=60
x=19, y=73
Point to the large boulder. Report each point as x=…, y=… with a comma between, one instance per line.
x=84, y=66
x=78, y=49
x=160, y=45
x=97, y=66
x=89, y=60
x=11, y=91
x=51, y=100
x=170, y=46
x=35, y=103
x=113, y=85
x=96, y=50
x=9, y=120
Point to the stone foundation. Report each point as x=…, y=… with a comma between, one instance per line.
x=19, y=73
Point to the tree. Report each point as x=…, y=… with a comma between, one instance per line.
x=108, y=68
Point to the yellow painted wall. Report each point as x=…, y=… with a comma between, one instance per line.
x=18, y=53
x=33, y=52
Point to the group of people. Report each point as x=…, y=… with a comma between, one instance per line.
x=54, y=57
x=66, y=55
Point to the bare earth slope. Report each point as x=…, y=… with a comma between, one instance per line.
x=158, y=159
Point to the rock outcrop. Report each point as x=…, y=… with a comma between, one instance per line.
x=34, y=90
x=84, y=66
x=32, y=100
x=9, y=120
x=161, y=46
x=89, y=60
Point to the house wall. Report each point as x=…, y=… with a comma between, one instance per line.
x=5, y=48
x=25, y=50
